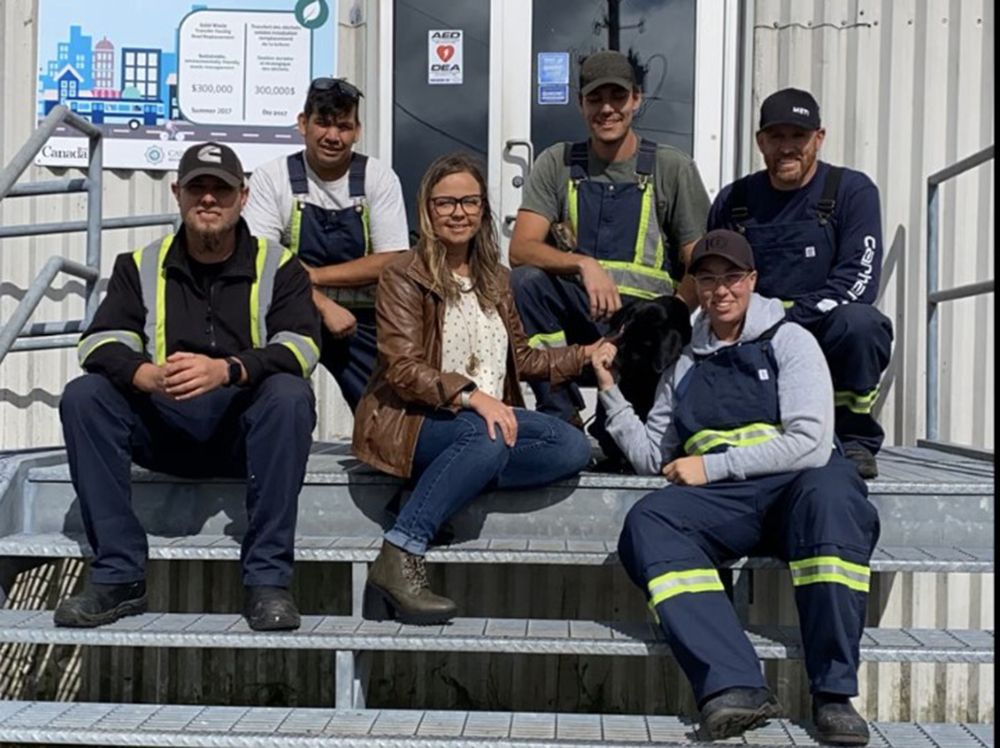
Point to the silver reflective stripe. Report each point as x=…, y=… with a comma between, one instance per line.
x=302, y=347
x=638, y=280
x=265, y=282
x=94, y=341
x=838, y=569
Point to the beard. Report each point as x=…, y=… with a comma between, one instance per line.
x=212, y=238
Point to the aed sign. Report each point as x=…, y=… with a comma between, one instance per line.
x=444, y=57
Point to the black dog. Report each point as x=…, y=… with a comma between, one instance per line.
x=650, y=336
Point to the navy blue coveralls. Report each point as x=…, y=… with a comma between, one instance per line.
x=615, y=223
x=327, y=237
x=820, y=521
x=795, y=258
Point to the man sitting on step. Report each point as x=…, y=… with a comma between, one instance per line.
x=198, y=364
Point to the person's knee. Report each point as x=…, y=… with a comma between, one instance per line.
x=840, y=515
x=84, y=392
x=862, y=323
x=289, y=396
x=528, y=281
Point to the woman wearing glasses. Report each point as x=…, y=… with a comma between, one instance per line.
x=443, y=407
x=742, y=428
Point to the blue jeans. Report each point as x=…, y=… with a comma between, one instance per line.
x=455, y=460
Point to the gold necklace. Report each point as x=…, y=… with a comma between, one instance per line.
x=472, y=331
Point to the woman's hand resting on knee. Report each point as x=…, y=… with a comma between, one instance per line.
x=495, y=413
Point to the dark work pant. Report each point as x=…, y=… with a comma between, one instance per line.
x=351, y=360
x=820, y=521
x=261, y=434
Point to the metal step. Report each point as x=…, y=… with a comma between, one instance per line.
x=483, y=551
x=245, y=727
x=925, y=499
x=494, y=635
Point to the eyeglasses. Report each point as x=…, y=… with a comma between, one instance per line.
x=445, y=206
x=338, y=86
x=710, y=282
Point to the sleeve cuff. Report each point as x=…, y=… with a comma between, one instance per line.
x=715, y=467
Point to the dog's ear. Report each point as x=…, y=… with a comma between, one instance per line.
x=620, y=320
x=668, y=351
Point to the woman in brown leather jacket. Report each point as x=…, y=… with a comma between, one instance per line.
x=443, y=406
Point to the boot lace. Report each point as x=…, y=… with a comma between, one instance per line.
x=416, y=571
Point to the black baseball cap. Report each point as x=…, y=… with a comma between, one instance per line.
x=602, y=68
x=210, y=159
x=726, y=244
x=790, y=106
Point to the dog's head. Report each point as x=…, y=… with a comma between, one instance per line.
x=650, y=334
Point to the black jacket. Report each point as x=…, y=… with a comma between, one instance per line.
x=217, y=325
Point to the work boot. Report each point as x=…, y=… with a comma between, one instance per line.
x=100, y=604
x=735, y=710
x=863, y=460
x=398, y=589
x=837, y=722
x=270, y=609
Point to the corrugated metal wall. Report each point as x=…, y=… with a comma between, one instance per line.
x=31, y=383
x=906, y=88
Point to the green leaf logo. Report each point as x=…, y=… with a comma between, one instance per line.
x=312, y=13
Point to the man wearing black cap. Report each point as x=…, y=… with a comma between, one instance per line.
x=198, y=363
x=817, y=235
x=742, y=427
x=603, y=222
x=343, y=214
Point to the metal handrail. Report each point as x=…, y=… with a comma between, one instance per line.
x=936, y=296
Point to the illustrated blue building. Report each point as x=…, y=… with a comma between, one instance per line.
x=141, y=68
x=78, y=53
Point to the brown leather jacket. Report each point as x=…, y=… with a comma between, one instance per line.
x=408, y=381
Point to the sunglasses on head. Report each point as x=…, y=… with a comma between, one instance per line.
x=338, y=86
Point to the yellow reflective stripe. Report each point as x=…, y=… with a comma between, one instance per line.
x=366, y=227
x=640, y=235
x=660, y=275
x=555, y=339
x=637, y=292
x=744, y=436
x=854, y=401
x=285, y=256
x=572, y=196
x=787, y=304
x=255, y=294
x=296, y=227
x=303, y=347
x=94, y=341
x=674, y=583
x=830, y=570
x=160, y=350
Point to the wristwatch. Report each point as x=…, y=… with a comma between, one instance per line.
x=465, y=397
x=235, y=371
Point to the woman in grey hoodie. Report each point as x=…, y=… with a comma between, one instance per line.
x=742, y=428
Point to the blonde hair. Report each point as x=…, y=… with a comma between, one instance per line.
x=484, y=249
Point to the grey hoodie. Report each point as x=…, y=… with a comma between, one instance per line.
x=805, y=398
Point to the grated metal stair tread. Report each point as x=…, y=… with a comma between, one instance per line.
x=241, y=727
x=489, y=551
x=495, y=635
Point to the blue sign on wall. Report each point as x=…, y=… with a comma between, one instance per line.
x=553, y=67
x=553, y=93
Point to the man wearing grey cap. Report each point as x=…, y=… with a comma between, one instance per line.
x=603, y=222
x=816, y=231
x=742, y=427
x=198, y=363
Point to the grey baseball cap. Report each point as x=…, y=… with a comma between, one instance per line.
x=725, y=244
x=602, y=68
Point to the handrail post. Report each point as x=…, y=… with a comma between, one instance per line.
x=933, y=204
x=94, y=197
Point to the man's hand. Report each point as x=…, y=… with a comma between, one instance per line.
x=686, y=471
x=601, y=359
x=150, y=378
x=495, y=412
x=601, y=289
x=311, y=272
x=338, y=320
x=191, y=374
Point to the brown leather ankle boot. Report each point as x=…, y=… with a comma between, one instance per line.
x=397, y=589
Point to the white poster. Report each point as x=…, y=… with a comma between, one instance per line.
x=444, y=57
x=177, y=72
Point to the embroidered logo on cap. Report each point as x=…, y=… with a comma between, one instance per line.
x=210, y=153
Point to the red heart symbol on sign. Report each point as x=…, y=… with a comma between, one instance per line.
x=445, y=52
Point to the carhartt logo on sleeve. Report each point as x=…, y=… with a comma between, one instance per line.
x=810, y=251
x=762, y=375
x=210, y=153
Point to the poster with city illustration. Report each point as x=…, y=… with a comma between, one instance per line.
x=159, y=76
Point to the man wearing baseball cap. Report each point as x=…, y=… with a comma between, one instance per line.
x=816, y=232
x=603, y=222
x=742, y=428
x=198, y=363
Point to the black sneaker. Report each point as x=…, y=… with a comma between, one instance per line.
x=837, y=722
x=270, y=609
x=735, y=710
x=863, y=459
x=100, y=604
